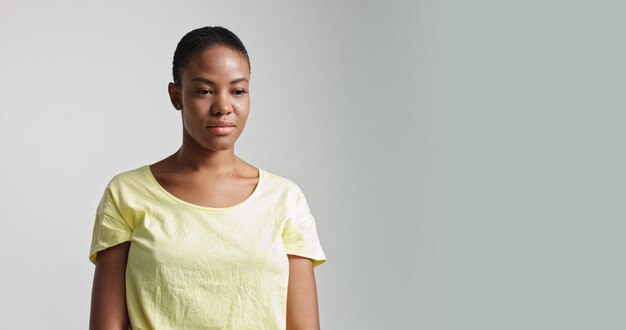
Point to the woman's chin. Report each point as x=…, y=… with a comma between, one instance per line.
x=218, y=146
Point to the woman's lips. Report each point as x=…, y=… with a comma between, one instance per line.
x=221, y=130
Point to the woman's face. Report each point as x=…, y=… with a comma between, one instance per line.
x=213, y=93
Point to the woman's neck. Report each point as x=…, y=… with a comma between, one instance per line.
x=193, y=157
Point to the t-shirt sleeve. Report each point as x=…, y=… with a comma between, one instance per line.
x=300, y=233
x=110, y=228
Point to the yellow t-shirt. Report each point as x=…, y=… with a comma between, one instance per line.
x=195, y=267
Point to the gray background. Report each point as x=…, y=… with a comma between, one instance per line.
x=464, y=160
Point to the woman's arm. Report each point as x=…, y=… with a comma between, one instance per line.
x=108, y=296
x=302, y=309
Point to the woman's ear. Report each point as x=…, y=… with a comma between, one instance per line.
x=175, y=96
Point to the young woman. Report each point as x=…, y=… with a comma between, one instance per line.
x=202, y=239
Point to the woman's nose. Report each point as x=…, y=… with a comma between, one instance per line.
x=221, y=105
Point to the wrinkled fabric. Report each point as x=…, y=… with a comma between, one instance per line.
x=195, y=267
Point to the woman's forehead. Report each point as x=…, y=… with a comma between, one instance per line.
x=218, y=60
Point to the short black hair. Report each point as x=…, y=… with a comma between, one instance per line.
x=197, y=41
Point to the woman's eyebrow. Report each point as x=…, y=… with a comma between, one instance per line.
x=238, y=80
x=211, y=82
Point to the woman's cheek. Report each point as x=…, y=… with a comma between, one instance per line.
x=244, y=104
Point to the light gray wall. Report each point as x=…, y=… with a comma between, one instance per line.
x=464, y=159
x=533, y=216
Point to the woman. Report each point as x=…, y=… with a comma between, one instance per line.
x=202, y=239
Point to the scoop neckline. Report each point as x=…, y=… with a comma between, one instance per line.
x=148, y=172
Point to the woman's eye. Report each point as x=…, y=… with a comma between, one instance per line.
x=240, y=92
x=205, y=91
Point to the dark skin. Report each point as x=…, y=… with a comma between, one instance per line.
x=205, y=171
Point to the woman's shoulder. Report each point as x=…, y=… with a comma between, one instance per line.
x=123, y=187
x=280, y=182
x=128, y=177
